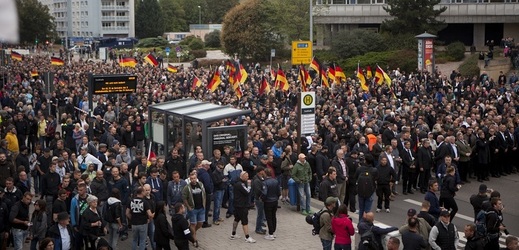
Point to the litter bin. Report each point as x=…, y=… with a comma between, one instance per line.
x=293, y=192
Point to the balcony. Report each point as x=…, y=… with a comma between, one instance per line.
x=108, y=18
x=455, y=13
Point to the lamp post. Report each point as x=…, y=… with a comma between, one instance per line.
x=199, y=15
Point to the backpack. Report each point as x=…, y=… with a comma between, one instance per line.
x=365, y=185
x=481, y=221
x=315, y=220
x=368, y=240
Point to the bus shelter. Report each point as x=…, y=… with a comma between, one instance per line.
x=196, y=123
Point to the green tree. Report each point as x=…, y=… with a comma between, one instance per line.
x=36, y=23
x=248, y=32
x=413, y=16
x=295, y=26
x=174, y=16
x=148, y=19
x=192, y=11
x=212, y=39
x=348, y=44
x=216, y=10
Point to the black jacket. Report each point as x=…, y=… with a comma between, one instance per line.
x=341, y=176
x=476, y=242
x=413, y=241
x=377, y=231
x=87, y=218
x=386, y=174
x=181, y=228
x=50, y=184
x=328, y=188
x=55, y=234
x=241, y=194
x=19, y=211
x=424, y=158
x=449, y=188
x=100, y=189
x=218, y=182
x=163, y=231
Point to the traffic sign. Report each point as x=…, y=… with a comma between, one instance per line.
x=307, y=113
x=167, y=50
x=273, y=53
x=301, y=52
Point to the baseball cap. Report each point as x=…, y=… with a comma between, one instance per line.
x=46, y=150
x=61, y=159
x=411, y=212
x=331, y=200
x=445, y=213
x=54, y=158
x=482, y=188
x=264, y=157
x=206, y=162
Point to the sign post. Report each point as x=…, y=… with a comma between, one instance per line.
x=426, y=52
x=307, y=113
x=272, y=54
x=301, y=52
x=167, y=54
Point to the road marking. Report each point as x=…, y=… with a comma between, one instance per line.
x=461, y=216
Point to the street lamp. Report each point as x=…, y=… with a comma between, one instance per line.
x=199, y=15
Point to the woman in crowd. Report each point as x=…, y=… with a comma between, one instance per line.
x=92, y=225
x=342, y=227
x=39, y=223
x=163, y=230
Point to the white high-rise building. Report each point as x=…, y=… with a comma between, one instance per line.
x=99, y=18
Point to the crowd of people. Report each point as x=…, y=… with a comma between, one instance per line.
x=93, y=181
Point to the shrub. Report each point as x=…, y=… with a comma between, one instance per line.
x=456, y=50
x=469, y=67
x=152, y=42
x=212, y=39
x=403, y=59
x=196, y=44
x=200, y=53
x=347, y=44
x=400, y=41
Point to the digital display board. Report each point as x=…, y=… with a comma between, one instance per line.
x=114, y=84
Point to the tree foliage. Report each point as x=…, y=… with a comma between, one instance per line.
x=174, y=16
x=248, y=32
x=216, y=10
x=295, y=26
x=151, y=42
x=413, y=16
x=36, y=23
x=357, y=42
x=212, y=39
x=148, y=19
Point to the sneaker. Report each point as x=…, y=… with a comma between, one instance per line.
x=216, y=223
x=396, y=182
x=196, y=243
x=233, y=237
x=274, y=235
x=357, y=211
x=309, y=212
x=303, y=212
x=269, y=237
x=221, y=220
x=387, y=210
x=250, y=240
x=378, y=210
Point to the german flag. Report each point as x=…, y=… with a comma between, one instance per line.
x=320, y=72
x=56, y=61
x=243, y=74
x=238, y=91
x=304, y=78
x=264, y=87
x=16, y=56
x=379, y=76
x=151, y=60
x=281, y=80
x=196, y=83
x=128, y=62
x=339, y=74
x=331, y=72
x=369, y=73
x=362, y=79
x=215, y=81
x=172, y=69
x=34, y=74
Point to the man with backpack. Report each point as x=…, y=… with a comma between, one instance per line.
x=494, y=223
x=366, y=177
x=371, y=235
x=477, y=200
x=322, y=222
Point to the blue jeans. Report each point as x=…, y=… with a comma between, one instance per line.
x=304, y=190
x=230, y=209
x=34, y=243
x=218, y=198
x=342, y=247
x=139, y=236
x=151, y=234
x=113, y=235
x=260, y=216
x=19, y=236
x=364, y=205
x=327, y=244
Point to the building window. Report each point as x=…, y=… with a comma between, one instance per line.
x=121, y=24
